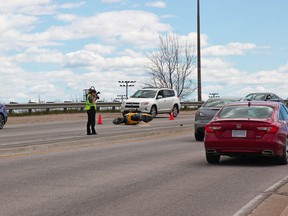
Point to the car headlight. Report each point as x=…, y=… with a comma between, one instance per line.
x=145, y=103
x=200, y=114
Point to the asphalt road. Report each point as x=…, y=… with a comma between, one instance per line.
x=149, y=170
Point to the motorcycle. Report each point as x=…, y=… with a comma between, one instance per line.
x=133, y=118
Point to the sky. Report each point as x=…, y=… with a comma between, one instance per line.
x=51, y=50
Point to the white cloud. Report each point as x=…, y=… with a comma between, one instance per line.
x=157, y=4
x=40, y=55
x=72, y=5
x=31, y=7
x=127, y=27
x=217, y=71
x=100, y=49
x=229, y=49
x=95, y=62
x=83, y=58
x=131, y=53
x=66, y=17
x=268, y=77
x=168, y=16
x=10, y=22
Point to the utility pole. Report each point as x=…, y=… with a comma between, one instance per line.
x=198, y=53
x=127, y=84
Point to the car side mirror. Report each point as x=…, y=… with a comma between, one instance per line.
x=159, y=96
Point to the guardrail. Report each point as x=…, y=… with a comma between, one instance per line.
x=33, y=107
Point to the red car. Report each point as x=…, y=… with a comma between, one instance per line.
x=257, y=128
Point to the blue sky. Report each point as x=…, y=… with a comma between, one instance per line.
x=51, y=50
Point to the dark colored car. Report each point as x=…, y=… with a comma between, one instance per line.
x=206, y=112
x=3, y=115
x=263, y=96
x=254, y=128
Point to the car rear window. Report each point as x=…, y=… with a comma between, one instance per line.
x=261, y=112
x=217, y=103
x=169, y=93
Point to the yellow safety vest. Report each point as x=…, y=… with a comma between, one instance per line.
x=88, y=104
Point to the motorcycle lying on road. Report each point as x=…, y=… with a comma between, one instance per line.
x=133, y=118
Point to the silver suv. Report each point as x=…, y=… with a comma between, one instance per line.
x=154, y=101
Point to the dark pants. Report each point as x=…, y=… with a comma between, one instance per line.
x=91, y=121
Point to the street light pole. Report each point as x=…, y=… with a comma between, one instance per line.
x=198, y=53
x=213, y=95
x=121, y=97
x=126, y=85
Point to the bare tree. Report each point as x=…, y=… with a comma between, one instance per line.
x=171, y=65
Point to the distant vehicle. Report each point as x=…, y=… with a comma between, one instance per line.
x=251, y=128
x=263, y=96
x=3, y=115
x=153, y=101
x=206, y=112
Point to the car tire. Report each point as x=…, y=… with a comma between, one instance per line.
x=2, y=121
x=212, y=159
x=283, y=160
x=175, y=111
x=199, y=136
x=153, y=111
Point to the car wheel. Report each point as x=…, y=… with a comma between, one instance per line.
x=2, y=121
x=283, y=160
x=212, y=159
x=153, y=111
x=175, y=111
x=199, y=136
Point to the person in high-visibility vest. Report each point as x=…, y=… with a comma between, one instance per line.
x=91, y=111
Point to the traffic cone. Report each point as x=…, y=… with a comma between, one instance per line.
x=171, y=116
x=99, y=119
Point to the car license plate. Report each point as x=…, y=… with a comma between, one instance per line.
x=238, y=133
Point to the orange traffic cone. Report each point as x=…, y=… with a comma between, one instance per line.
x=171, y=116
x=99, y=119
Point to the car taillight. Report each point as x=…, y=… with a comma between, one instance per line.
x=270, y=129
x=212, y=129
